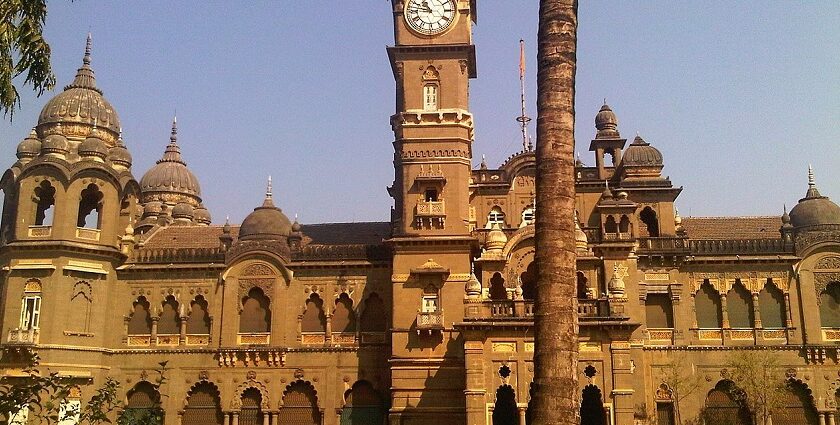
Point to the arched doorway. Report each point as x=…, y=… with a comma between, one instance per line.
x=300, y=405
x=797, y=408
x=497, y=287
x=529, y=281
x=592, y=407
x=505, y=411
x=143, y=405
x=724, y=406
x=363, y=405
x=203, y=406
x=251, y=411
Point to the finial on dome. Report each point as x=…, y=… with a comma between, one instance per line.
x=88, y=47
x=483, y=162
x=173, y=136
x=268, y=193
x=812, y=184
x=785, y=215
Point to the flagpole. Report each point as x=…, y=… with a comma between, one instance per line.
x=523, y=119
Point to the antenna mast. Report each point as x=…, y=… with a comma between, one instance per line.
x=523, y=119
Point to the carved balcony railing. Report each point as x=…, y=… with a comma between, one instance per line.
x=40, y=231
x=663, y=246
x=19, y=336
x=256, y=338
x=373, y=337
x=88, y=234
x=524, y=309
x=429, y=321
x=739, y=247
x=620, y=236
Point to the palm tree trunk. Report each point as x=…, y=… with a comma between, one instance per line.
x=556, y=335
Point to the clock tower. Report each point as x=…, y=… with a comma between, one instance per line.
x=432, y=59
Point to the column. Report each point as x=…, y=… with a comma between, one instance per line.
x=757, y=333
x=822, y=418
x=724, y=311
x=234, y=418
x=830, y=416
x=522, y=414
x=789, y=317
x=475, y=387
x=182, y=340
x=266, y=418
x=328, y=336
x=622, y=391
x=154, y=330
x=358, y=326
x=677, y=318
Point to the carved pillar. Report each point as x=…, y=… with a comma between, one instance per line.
x=475, y=387
x=126, y=319
x=756, y=311
x=822, y=418
x=180, y=418
x=830, y=416
x=788, y=316
x=328, y=336
x=234, y=418
x=677, y=320
x=522, y=414
x=266, y=418
x=154, y=329
x=358, y=326
x=724, y=311
x=275, y=416
x=182, y=340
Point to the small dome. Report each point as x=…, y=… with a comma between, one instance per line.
x=170, y=174
x=55, y=144
x=93, y=147
x=606, y=122
x=182, y=210
x=152, y=208
x=473, y=287
x=496, y=239
x=201, y=215
x=120, y=155
x=641, y=154
x=581, y=242
x=81, y=102
x=266, y=222
x=296, y=226
x=30, y=147
x=814, y=209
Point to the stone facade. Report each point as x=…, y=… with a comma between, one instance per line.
x=427, y=318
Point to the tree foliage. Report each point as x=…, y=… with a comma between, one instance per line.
x=758, y=376
x=45, y=396
x=23, y=51
x=681, y=379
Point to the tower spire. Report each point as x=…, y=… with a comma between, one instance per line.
x=268, y=189
x=523, y=119
x=813, y=192
x=88, y=48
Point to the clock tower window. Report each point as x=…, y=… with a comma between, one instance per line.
x=430, y=97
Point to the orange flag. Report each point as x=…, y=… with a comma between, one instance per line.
x=521, y=58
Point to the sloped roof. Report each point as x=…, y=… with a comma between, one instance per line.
x=364, y=233
x=761, y=227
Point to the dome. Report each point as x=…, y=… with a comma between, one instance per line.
x=266, y=222
x=152, y=208
x=814, y=209
x=606, y=122
x=641, y=154
x=55, y=144
x=201, y=215
x=183, y=210
x=30, y=147
x=170, y=174
x=93, y=146
x=120, y=155
x=496, y=238
x=473, y=287
x=81, y=102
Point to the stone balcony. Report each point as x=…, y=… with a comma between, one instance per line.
x=19, y=336
x=429, y=321
x=524, y=309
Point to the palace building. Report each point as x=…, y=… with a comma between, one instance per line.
x=427, y=318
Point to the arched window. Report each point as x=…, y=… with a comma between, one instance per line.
x=343, y=318
x=651, y=227
x=659, y=312
x=44, y=203
x=256, y=313
x=739, y=306
x=771, y=304
x=496, y=216
x=430, y=97
x=251, y=411
x=830, y=306
x=592, y=407
x=204, y=406
x=314, y=319
x=624, y=224
x=80, y=303
x=505, y=411
x=528, y=216
x=707, y=307
x=723, y=406
x=90, y=207
x=610, y=226
x=796, y=406
x=169, y=322
x=582, y=286
x=199, y=320
x=141, y=321
x=529, y=281
x=143, y=405
x=373, y=318
x=300, y=405
x=30, y=308
x=362, y=405
x=497, y=287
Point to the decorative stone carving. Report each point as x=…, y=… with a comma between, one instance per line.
x=258, y=269
x=616, y=285
x=831, y=263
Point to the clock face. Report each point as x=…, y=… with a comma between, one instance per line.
x=429, y=16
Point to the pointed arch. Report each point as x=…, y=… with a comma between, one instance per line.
x=80, y=306
x=140, y=322
x=582, y=286
x=343, y=318
x=505, y=411
x=796, y=406
x=497, y=287
x=830, y=305
x=300, y=404
x=362, y=405
x=142, y=405
x=250, y=410
x=771, y=302
x=739, y=306
x=528, y=280
x=624, y=224
x=90, y=207
x=725, y=405
x=198, y=322
x=314, y=319
x=255, y=316
x=373, y=317
x=44, y=203
x=592, y=406
x=651, y=223
x=203, y=405
x=707, y=307
x=169, y=323
x=610, y=225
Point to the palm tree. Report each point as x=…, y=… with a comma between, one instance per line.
x=556, y=333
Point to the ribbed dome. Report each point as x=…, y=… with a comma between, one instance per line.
x=55, y=144
x=606, y=122
x=30, y=147
x=266, y=222
x=814, y=209
x=120, y=155
x=81, y=102
x=641, y=153
x=201, y=215
x=93, y=146
x=170, y=174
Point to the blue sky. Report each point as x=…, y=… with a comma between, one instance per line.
x=739, y=96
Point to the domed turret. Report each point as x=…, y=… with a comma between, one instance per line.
x=606, y=122
x=119, y=155
x=496, y=239
x=170, y=180
x=641, y=154
x=814, y=209
x=55, y=145
x=183, y=212
x=581, y=241
x=80, y=107
x=266, y=222
x=30, y=147
x=201, y=215
x=93, y=147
